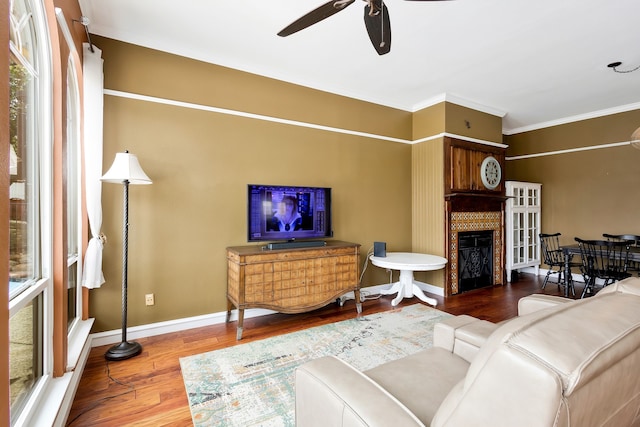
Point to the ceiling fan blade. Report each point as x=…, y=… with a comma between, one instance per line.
x=378, y=26
x=323, y=12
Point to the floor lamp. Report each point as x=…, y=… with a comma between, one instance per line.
x=125, y=170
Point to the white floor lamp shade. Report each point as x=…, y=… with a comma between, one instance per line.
x=126, y=167
x=125, y=170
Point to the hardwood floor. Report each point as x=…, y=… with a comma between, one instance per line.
x=147, y=390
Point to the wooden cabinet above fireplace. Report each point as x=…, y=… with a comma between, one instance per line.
x=472, y=168
x=449, y=197
x=474, y=202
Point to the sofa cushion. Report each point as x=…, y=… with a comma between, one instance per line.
x=510, y=391
x=329, y=392
x=406, y=379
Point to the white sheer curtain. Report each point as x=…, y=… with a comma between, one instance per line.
x=92, y=276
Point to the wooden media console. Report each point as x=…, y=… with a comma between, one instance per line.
x=290, y=280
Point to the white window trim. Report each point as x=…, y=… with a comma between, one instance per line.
x=43, y=155
x=28, y=295
x=78, y=333
x=73, y=91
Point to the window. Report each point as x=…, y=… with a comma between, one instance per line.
x=30, y=205
x=23, y=268
x=74, y=264
x=25, y=360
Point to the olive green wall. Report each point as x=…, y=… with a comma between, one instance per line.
x=429, y=121
x=235, y=128
x=201, y=162
x=467, y=122
x=584, y=193
x=457, y=120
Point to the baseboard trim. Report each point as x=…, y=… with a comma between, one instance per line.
x=543, y=272
x=152, y=329
x=177, y=325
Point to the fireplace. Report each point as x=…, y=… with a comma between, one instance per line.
x=475, y=260
x=472, y=206
x=466, y=226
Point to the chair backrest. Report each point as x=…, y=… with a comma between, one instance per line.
x=604, y=259
x=550, y=244
x=632, y=239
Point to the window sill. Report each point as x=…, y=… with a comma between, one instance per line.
x=56, y=396
x=76, y=342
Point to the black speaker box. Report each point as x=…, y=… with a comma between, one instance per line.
x=379, y=249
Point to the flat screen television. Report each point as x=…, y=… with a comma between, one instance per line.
x=278, y=212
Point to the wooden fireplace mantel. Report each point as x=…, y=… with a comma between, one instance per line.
x=474, y=202
x=479, y=195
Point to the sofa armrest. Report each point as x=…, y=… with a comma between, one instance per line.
x=331, y=393
x=462, y=335
x=630, y=285
x=535, y=302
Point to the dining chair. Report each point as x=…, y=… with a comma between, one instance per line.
x=633, y=240
x=555, y=258
x=603, y=261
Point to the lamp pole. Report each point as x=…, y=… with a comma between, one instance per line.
x=126, y=349
x=125, y=170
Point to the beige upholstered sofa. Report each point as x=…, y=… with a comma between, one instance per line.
x=559, y=363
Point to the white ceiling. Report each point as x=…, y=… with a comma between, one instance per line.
x=537, y=63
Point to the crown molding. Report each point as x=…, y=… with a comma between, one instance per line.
x=458, y=100
x=572, y=119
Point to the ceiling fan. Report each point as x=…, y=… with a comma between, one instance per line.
x=376, y=20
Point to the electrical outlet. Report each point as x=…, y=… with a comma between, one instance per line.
x=149, y=299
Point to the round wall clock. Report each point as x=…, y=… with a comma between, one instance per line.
x=490, y=172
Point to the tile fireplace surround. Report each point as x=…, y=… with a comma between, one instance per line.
x=475, y=221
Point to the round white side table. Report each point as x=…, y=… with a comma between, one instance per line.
x=407, y=263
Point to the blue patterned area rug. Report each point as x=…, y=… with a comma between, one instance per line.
x=253, y=384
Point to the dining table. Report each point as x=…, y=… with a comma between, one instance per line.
x=570, y=250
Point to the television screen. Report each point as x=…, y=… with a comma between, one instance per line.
x=277, y=212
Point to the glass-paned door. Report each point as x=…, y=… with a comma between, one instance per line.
x=522, y=221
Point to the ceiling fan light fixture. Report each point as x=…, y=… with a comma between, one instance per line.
x=376, y=21
x=614, y=66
